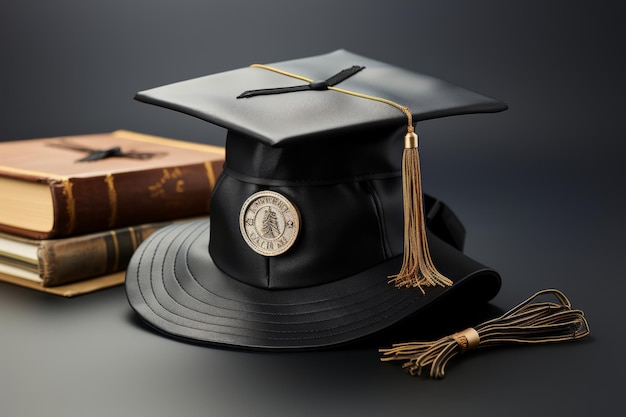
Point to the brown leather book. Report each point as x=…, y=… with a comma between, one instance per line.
x=68, y=186
x=54, y=262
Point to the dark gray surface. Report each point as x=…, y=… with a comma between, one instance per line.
x=540, y=189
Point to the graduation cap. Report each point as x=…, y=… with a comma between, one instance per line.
x=320, y=233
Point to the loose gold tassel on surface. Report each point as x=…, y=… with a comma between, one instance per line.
x=418, y=269
x=531, y=322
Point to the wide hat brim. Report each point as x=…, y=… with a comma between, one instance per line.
x=174, y=285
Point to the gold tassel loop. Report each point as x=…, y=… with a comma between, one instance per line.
x=531, y=322
x=418, y=269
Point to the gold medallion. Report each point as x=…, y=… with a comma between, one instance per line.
x=269, y=223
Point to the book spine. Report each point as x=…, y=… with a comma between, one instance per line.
x=62, y=261
x=87, y=205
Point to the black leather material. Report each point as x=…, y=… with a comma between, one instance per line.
x=349, y=198
x=337, y=158
x=374, y=153
x=312, y=115
x=175, y=286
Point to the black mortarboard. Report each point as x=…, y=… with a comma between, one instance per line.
x=314, y=210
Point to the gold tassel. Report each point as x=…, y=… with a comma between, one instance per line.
x=418, y=269
x=529, y=323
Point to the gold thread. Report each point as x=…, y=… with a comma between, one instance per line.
x=112, y=193
x=461, y=341
x=289, y=74
x=70, y=204
x=400, y=107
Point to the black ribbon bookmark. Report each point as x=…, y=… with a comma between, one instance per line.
x=315, y=85
x=99, y=154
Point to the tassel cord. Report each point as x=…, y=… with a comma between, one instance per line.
x=418, y=269
x=528, y=323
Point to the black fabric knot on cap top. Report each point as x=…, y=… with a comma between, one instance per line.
x=314, y=86
x=319, y=85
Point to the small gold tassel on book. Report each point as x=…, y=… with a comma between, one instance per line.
x=530, y=322
x=418, y=269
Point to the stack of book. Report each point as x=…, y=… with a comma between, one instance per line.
x=73, y=209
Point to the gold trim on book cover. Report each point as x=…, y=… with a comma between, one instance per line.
x=112, y=193
x=116, y=250
x=210, y=172
x=70, y=204
x=133, y=237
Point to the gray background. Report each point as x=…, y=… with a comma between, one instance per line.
x=539, y=188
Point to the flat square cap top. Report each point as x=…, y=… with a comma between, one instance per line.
x=278, y=119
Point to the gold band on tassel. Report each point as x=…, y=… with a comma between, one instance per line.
x=410, y=140
x=467, y=339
